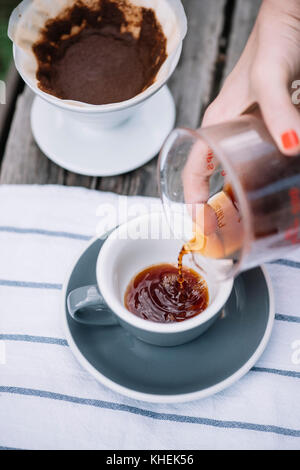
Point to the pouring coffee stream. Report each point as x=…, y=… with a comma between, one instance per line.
x=219, y=232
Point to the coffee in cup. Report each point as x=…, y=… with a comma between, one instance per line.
x=160, y=293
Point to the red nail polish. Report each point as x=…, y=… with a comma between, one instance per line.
x=290, y=139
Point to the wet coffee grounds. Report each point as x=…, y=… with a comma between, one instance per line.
x=103, y=54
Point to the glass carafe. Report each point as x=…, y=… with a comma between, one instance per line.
x=231, y=196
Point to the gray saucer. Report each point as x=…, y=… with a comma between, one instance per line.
x=195, y=370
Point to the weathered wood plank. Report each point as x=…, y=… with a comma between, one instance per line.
x=23, y=162
x=72, y=179
x=190, y=85
x=243, y=22
x=139, y=182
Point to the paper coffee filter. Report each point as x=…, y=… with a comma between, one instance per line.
x=30, y=17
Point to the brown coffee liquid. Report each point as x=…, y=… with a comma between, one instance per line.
x=184, y=251
x=156, y=294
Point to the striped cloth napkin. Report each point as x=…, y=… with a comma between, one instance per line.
x=47, y=401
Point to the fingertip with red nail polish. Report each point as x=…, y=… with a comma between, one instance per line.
x=290, y=140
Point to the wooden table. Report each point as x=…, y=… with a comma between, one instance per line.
x=218, y=31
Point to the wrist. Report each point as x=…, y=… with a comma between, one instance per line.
x=289, y=7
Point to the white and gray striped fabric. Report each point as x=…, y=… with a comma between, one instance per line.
x=47, y=401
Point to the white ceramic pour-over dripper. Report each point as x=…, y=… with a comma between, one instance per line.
x=102, y=140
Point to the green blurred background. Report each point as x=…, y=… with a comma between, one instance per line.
x=6, y=7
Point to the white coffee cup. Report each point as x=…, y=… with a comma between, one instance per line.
x=128, y=250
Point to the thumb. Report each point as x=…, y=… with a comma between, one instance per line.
x=281, y=116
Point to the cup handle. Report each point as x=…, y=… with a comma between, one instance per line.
x=86, y=305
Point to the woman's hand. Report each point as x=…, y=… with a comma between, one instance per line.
x=263, y=76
